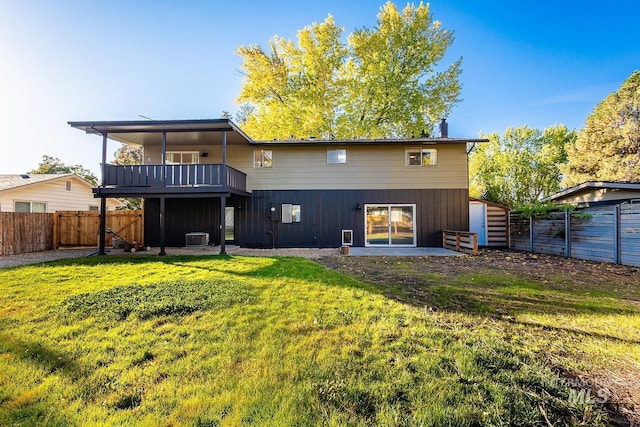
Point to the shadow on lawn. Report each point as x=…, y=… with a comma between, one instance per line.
x=30, y=407
x=497, y=295
x=40, y=355
x=493, y=294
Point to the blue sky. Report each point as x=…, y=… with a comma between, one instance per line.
x=535, y=63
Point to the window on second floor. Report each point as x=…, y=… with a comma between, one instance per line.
x=33, y=207
x=183, y=157
x=263, y=158
x=417, y=156
x=337, y=156
x=67, y=185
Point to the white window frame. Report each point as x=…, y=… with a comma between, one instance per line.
x=94, y=207
x=336, y=156
x=347, y=241
x=389, y=206
x=421, y=151
x=194, y=154
x=30, y=205
x=67, y=185
x=261, y=163
x=291, y=213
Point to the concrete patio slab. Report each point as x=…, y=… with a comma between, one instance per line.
x=387, y=251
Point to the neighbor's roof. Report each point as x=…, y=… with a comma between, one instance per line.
x=8, y=182
x=595, y=185
x=209, y=131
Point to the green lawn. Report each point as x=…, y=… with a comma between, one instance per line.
x=280, y=341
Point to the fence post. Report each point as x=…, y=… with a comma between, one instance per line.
x=616, y=234
x=567, y=232
x=475, y=243
x=530, y=232
x=509, y=229
x=55, y=230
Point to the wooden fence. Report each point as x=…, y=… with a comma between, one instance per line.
x=25, y=232
x=34, y=232
x=607, y=234
x=82, y=228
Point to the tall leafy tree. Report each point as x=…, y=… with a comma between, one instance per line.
x=50, y=164
x=608, y=147
x=394, y=88
x=519, y=167
x=382, y=82
x=128, y=154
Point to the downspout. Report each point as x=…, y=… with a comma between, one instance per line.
x=473, y=145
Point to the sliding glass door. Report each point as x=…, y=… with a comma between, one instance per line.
x=390, y=225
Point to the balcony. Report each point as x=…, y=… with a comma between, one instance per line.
x=141, y=180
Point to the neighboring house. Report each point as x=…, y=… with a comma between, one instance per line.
x=491, y=222
x=208, y=176
x=597, y=193
x=48, y=193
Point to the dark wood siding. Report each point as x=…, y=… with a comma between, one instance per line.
x=182, y=216
x=324, y=213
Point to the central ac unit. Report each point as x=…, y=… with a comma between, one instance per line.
x=196, y=239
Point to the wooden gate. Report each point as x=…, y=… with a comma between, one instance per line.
x=82, y=228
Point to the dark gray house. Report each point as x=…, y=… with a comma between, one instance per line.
x=209, y=177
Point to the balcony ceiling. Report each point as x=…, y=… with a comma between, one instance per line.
x=179, y=132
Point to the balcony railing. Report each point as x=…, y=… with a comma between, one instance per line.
x=173, y=176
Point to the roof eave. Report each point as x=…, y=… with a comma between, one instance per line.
x=373, y=141
x=593, y=184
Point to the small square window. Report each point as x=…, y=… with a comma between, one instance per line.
x=22, y=207
x=413, y=157
x=38, y=207
x=421, y=157
x=290, y=213
x=429, y=157
x=262, y=158
x=337, y=156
